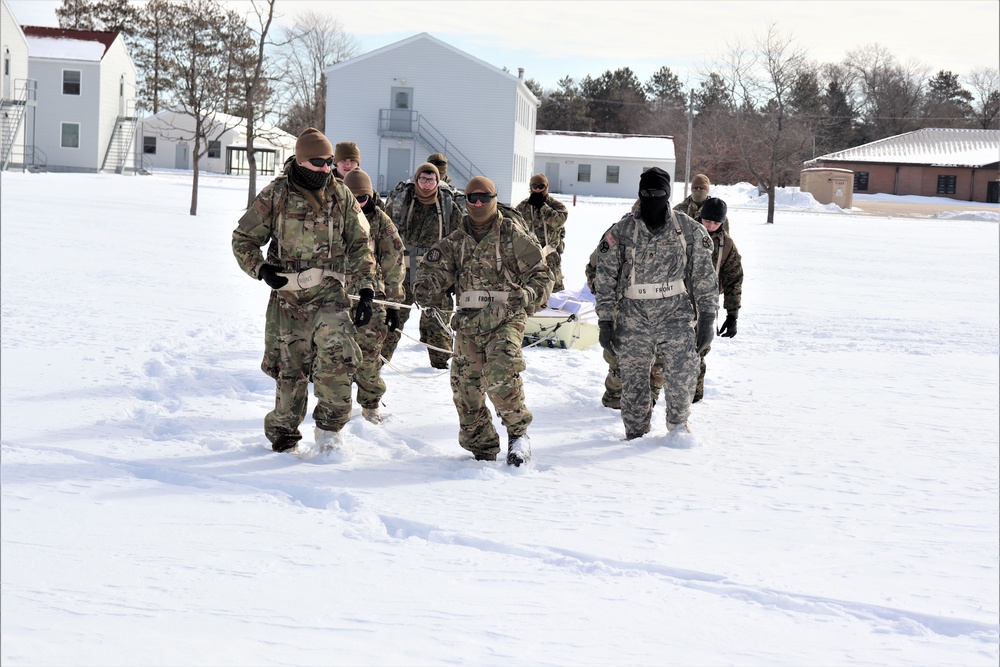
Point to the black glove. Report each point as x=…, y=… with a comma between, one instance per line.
x=705, y=332
x=392, y=318
x=363, y=311
x=728, y=329
x=607, y=335
x=269, y=274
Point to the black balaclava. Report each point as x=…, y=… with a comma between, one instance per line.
x=653, y=210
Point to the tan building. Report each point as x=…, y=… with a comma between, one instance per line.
x=934, y=162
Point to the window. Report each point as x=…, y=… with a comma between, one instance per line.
x=861, y=181
x=583, y=173
x=149, y=145
x=946, y=185
x=71, y=82
x=612, y=175
x=70, y=135
x=215, y=149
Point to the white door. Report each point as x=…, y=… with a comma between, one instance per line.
x=181, y=156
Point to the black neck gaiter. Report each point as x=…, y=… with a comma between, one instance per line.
x=307, y=178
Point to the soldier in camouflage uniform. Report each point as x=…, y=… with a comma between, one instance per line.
x=546, y=218
x=499, y=277
x=612, y=397
x=729, y=267
x=388, y=250
x=346, y=158
x=656, y=293
x=691, y=206
x=317, y=238
x=424, y=213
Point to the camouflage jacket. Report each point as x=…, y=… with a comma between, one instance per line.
x=692, y=209
x=507, y=260
x=729, y=266
x=323, y=230
x=630, y=254
x=421, y=226
x=387, y=247
x=547, y=222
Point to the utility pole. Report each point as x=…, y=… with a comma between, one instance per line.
x=687, y=160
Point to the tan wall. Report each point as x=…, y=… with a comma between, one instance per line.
x=920, y=180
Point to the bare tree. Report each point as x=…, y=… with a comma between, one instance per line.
x=769, y=140
x=315, y=42
x=195, y=54
x=985, y=84
x=249, y=84
x=889, y=93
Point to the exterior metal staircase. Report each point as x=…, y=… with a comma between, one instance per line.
x=405, y=123
x=120, y=146
x=12, y=112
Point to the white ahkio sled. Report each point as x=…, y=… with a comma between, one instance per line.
x=569, y=323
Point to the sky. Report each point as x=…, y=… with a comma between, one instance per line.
x=556, y=38
x=837, y=507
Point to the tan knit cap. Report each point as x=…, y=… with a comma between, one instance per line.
x=312, y=143
x=701, y=180
x=347, y=150
x=481, y=183
x=425, y=167
x=358, y=182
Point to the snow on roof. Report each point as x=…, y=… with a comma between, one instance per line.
x=932, y=146
x=67, y=44
x=594, y=144
x=168, y=120
x=430, y=38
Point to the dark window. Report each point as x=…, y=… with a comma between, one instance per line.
x=70, y=135
x=149, y=145
x=71, y=82
x=946, y=185
x=861, y=181
x=215, y=149
x=612, y=175
x=583, y=173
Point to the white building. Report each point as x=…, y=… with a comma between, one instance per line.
x=168, y=141
x=603, y=165
x=420, y=96
x=85, y=118
x=17, y=93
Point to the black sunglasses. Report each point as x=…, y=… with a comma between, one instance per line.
x=362, y=199
x=652, y=193
x=480, y=197
x=538, y=186
x=321, y=161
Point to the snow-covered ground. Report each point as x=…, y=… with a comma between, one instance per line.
x=841, y=507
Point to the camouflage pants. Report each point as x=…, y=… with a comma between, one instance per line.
x=637, y=346
x=554, y=260
x=370, y=338
x=431, y=332
x=613, y=382
x=303, y=345
x=489, y=365
x=699, y=390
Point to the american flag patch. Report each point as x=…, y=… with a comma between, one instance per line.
x=610, y=239
x=260, y=206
